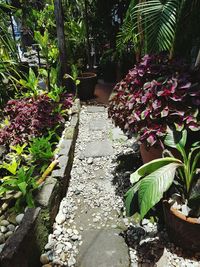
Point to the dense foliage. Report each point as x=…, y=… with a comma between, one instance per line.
x=30, y=117
x=155, y=94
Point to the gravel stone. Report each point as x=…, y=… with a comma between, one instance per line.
x=44, y=259
x=60, y=218
x=4, y=223
x=19, y=218
x=11, y=227
x=3, y=229
x=8, y=234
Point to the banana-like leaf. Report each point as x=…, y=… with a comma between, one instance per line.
x=152, y=166
x=153, y=186
x=175, y=139
x=129, y=197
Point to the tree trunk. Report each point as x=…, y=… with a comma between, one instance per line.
x=62, y=46
x=88, y=35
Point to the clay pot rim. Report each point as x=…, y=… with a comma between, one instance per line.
x=180, y=215
x=86, y=75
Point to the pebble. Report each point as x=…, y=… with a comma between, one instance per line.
x=44, y=259
x=71, y=261
x=68, y=245
x=90, y=160
x=8, y=234
x=3, y=229
x=11, y=227
x=4, y=223
x=19, y=218
x=75, y=237
x=60, y=218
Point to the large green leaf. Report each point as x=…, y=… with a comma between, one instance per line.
x=129, y=197
x=151, y=167
x=175, y=139
x=153, y=186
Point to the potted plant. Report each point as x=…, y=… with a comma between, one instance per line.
x=176, y=180
x=155, y=94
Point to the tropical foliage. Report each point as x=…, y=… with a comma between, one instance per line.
x=155, y=25
x=155, y=94
x=153, y=179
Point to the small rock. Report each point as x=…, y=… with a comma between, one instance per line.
x=60, y=247
x=145, y=221
x=75, y=232
x=63, y=256
x=2, y=238
x=90, y=161
x=68, y=246
x=4, y=223
x=69, y=231
x=8, y=234
x=57, y=232
x=3, y=229
x=19, y=218
x=60, y=218
x=75, y=237
x=11, y=227
x=71, y=261
x=44, y=259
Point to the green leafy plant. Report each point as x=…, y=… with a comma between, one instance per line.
x=153, y=179
x=24, y=182
x=41, y=150
x=10, y=167
x=31, y=84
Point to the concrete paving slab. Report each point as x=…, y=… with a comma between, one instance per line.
x=103, y=248
x=97, y=149
x=98, y=125
x=94, y=109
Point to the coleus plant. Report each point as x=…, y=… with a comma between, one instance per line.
x=155, y=94
x=31, y=117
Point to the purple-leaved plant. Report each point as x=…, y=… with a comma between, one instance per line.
x=155, y=94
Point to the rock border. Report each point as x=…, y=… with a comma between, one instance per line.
x=24, y=247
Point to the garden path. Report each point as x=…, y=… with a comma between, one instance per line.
x=90, y=223
x=87, y=227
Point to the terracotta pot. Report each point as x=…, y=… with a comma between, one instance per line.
x=150, y=153
x=87, y=84
x=183, y=231
x=155, y=152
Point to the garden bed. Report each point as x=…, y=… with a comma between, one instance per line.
x=24, y=247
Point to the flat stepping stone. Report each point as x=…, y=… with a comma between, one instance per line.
x=98, y=125
x=103, y=248
x=97, y=149
x=94, y=109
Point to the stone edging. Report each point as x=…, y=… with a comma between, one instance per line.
x=24, y=247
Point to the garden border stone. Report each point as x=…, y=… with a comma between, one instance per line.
x=24, y=247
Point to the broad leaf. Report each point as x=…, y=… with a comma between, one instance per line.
x=151, y=167
x=129, y=197
x=153, y=186
x=174, y=138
